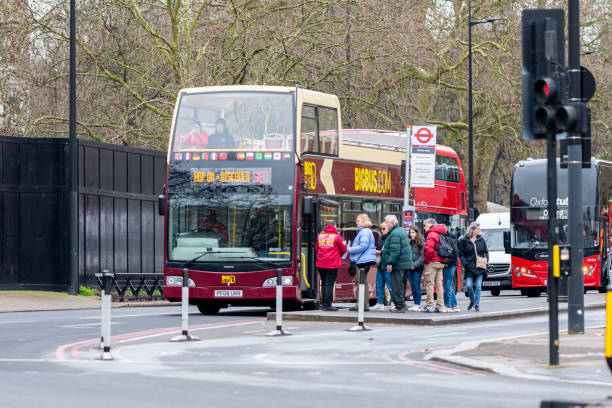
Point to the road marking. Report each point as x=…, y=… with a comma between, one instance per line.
x=177, y=313
x=85, y=325
x=74, y=348
x=20, y=321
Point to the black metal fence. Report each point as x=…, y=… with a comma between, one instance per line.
x=119, y=227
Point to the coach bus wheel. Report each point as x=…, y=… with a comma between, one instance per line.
x=495, y=291
x=208, y=308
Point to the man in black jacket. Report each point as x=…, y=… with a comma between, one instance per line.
x=448, y=276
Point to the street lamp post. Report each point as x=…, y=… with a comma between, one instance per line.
x=470, y=124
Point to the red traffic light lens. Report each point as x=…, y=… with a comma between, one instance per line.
x=545, y=89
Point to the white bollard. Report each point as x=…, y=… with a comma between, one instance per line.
x=106, y=304
x=279, y=306
x=185, y=336
x=360, y=302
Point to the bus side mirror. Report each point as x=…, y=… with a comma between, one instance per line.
x=507, y=242
x=161, y=204
x=307, y=206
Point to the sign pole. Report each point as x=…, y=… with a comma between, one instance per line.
x=553, y=305
x=574, y=149
x=408, y=210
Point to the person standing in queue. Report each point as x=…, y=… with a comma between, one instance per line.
x=330, y=248
x=363, y=253
x=383, y=277
x=397, y=259
x=416, y=272
x=434, y=264
x=471, y=246
x=448, y=276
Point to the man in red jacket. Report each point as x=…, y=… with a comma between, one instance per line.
x=434, y=265
x=330, y=248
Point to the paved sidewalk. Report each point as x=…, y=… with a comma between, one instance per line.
x=581, y=357
x=29, y=300
x=491, y=308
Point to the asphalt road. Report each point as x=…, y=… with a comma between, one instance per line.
x=49, y=359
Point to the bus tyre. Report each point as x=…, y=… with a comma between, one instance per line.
x=602, y=289
x=533, y=292
x=208, y=308
x=495, y=292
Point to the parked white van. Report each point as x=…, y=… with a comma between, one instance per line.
x=492, y=226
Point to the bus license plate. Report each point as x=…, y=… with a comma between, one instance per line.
x=228, y=293
x=491, y=283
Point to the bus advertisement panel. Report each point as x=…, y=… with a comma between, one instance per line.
x=529, y=223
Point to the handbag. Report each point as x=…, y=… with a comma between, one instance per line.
x=378, y=260
x=352, y=270
x=481, y=261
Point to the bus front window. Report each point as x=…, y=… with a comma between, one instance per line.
x=230, y=228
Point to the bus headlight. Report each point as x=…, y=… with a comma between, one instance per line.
x=178, y=281
x=524, y=272
x=271, y=282
x=588, y=269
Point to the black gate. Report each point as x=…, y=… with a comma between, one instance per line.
x=119, y=227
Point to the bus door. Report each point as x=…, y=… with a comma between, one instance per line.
x=604, y=242
x=310, y=282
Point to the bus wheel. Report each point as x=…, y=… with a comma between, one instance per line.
x=495, y=291
x=523, y=292
x=532, y=292
x=208, y=308
x=602, y=289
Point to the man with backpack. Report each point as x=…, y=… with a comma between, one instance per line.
x=436, y=245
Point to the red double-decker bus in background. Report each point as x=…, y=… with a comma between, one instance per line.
x=253, y=174
x=529, y=224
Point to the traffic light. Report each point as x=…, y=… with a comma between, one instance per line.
x=543, y=62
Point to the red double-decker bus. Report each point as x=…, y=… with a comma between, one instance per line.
x=529, y=224
x=253, y=174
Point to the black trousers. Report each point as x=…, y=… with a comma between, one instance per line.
x=328, y=280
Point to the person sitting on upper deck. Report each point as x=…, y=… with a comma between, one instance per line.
x=196, y=138
x=221, y=139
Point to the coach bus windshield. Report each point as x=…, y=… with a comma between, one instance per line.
x=234, y=120
x=229, y=227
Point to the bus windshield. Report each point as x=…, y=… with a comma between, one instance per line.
x=530, y=228
x=229, y=228
x=234, y=120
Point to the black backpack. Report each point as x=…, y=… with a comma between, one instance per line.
x=445, y=248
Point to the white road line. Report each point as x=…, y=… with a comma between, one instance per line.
x=134, y=315
x=84, y=325
x=20, y=321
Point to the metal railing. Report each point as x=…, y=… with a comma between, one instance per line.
x=136, y=286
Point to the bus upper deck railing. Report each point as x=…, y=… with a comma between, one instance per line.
x=136, y=286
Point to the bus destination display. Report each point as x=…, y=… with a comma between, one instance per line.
x=233, y=176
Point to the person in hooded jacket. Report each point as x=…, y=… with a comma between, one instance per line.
x=221, y=139
x=363, y=253
x=330, y=248
x=434, y=264
x=383, y=277
x=448, y=275
x=397, y=258
x=470, y=244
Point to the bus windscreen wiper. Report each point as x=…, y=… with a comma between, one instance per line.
x=186, y=264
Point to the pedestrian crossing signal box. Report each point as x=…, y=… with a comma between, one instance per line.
x=561, y=261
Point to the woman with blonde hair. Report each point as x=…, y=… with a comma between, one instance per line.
x=363, y=253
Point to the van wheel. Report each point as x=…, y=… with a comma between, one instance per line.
x=495, y=292
x=208, y=308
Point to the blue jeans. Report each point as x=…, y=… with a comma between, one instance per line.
x=448, y=275
x=414, y=277
x=474, y=284
x=382, y=277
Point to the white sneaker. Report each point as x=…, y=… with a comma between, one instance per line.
x=378, y=306
x=415, y=308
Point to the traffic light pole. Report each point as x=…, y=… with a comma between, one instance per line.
x=574, y=150
x=552, y=281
